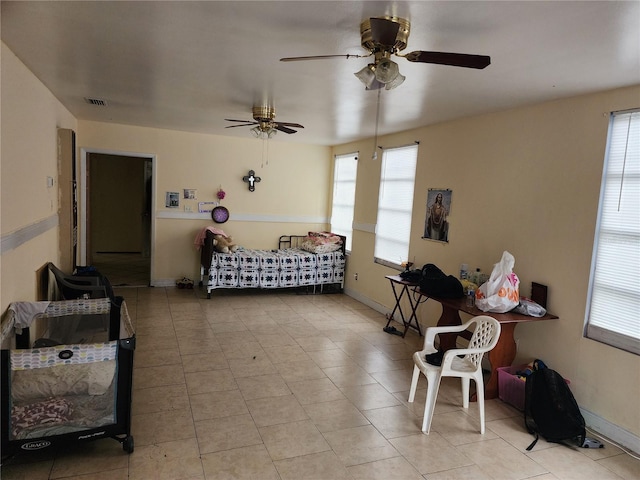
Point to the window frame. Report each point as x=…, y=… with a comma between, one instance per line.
x=623, y=236
x=350, y=183
x=388, y=185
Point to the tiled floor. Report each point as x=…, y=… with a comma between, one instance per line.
x=275, y=385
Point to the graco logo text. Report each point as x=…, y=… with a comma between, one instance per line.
x=35, y=445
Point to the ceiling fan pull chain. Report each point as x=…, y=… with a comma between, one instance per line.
x=375, y=138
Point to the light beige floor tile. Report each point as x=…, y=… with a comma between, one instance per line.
x=623, y=465
x=149, y=428
x=197, y=345
x=240, y=464
x=157, y=399
x=318, y=342
x=280, y=339
x=204, y=361
x=247, y=349
x=153, y=357
x=568, y=463
x=286, y=354
x=217, y=404
x=358, y=445
x=514, y=431
x=355, y=347
x=471, y=473
x=295, y=372
x=250, y=367
x=396, y=468
x=288, y=440
x=275, y=410
x=89, y=458
x=373, y=362
x=394, y=421
x=430, y=453
x=334, y=357
x=225, y=433
x=459, y=428
x=315, y=391
x=504, y=461
x=394, y=380
x=224, y=327
x=316, y=466
x=179, y=459
x=348, y=375
x=31, y=470
x=366, y=397
x=262, y=386
x=301, y=329
x=335, y=415
x=210, y=381
x=163, y=375
x=233, y=338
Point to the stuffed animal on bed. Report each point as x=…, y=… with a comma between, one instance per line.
x=224, y=244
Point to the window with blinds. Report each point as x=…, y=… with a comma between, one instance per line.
x=613, y=304
x=344, y=195
x=395, y=205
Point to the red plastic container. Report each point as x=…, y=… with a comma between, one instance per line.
x=511, y=387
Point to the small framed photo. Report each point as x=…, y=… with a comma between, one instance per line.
x=190, y=193
x=172, y=200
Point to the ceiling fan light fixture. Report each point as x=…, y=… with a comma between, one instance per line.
x=386, y=71
x=271, y=132
x=396, y=82
x=256, y=132
x=367, y=75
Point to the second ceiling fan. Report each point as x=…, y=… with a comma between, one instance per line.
x=264, y=125
x=386, y=36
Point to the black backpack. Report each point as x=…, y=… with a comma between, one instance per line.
x=550, y=408
x=434, y=282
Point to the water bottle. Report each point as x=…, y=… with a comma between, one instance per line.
x=471, y=298
x=464, y=271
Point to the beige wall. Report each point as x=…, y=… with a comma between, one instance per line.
x=526, y=181
x=28, y=155
x=291, y=198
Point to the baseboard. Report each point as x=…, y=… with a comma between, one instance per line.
x=611, y=431
x=166, y=282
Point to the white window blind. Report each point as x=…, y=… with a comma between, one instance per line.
x=344, y=195
x=613, y=310
x=395, y=204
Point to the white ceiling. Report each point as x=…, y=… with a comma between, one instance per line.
x=189, y=65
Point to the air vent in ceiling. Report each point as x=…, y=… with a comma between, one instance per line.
x=96, y=101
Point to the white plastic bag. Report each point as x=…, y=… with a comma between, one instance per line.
x=501, y=292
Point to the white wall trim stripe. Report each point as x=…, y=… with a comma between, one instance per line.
x=23, y=235
x=242, y=217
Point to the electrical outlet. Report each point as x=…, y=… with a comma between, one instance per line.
x=187, y=208
x=355, y=276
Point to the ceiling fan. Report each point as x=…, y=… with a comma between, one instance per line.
x=264, y=125
x=386, y=36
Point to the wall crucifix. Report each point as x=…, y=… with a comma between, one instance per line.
x=251, y=179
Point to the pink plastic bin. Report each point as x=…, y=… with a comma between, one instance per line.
x=510, y=387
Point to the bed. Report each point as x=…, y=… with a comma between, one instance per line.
x=313, y=261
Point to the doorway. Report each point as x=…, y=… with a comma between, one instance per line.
x=116, y=216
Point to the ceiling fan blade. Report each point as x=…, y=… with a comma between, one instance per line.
x=287, y=124
x=244, y=125
x=320, y=57
x=384, y=31
x=284, y=129
x=453, y=59
x=243, y=121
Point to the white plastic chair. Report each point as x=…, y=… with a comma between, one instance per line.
x=468, y=366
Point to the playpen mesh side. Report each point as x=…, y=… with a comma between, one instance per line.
x=62, y=389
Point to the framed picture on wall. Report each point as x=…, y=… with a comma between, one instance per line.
x=172, y=200
x=436, y=225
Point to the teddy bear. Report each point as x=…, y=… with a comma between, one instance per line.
x=224, y=244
